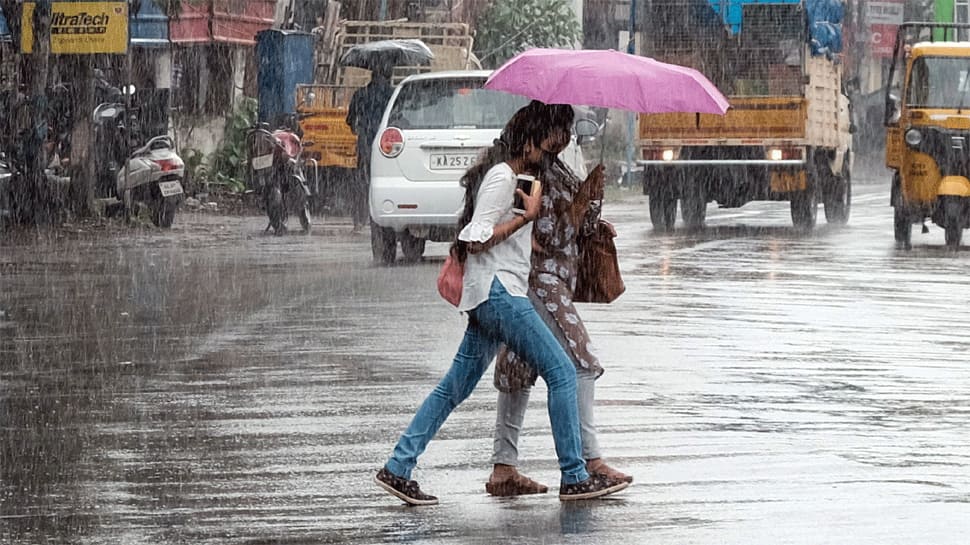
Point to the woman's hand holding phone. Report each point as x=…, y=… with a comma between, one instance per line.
x=531, y=203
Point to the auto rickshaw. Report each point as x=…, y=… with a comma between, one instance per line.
x=928, y=129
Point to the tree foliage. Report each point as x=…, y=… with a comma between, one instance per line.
x=509, y=27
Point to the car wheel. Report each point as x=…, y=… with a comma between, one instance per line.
x=383, y=244
x=412, y=247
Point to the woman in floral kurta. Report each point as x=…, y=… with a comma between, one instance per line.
x=570, y=207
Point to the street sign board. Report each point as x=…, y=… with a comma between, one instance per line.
x=884, y=17
x=81, y=28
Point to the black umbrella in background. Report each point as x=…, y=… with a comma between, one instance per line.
x=386, y=54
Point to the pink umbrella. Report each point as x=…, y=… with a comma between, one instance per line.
x=608, y=79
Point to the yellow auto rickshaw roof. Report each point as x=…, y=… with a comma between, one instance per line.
x=942, y=49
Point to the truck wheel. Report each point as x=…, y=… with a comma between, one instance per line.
x=953, y=221
x=693, y=206
x=804, y=207
x=412, y=247
x=838, y=197
x=383, y=244
x=663, y=211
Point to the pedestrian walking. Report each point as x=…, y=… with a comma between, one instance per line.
x=495, y=246
x=364, y=118
x=570, y=208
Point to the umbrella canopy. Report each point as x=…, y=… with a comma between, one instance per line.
x=387, y=53
x=608, y=79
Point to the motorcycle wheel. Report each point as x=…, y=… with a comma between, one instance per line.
x=305, y=217
x=276, y=210
x=163, y=211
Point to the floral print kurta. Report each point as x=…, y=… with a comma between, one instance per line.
x=553, y=279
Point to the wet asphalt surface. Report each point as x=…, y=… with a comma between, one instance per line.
x=212, y=385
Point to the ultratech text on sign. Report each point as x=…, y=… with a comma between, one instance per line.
x=79, y=28
x=82, y=23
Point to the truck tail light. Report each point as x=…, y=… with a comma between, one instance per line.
x=785, y=153
x=392, y=142
x=660, y=154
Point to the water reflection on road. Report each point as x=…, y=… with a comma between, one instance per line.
x=213, y=385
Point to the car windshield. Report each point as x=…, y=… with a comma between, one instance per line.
x=450, y=104
x=939, y=82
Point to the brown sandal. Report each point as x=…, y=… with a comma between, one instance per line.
x=602, y=469
x=515, y=485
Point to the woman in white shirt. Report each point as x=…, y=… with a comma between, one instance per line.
x=495, y=245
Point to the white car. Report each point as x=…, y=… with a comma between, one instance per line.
x=434, y=128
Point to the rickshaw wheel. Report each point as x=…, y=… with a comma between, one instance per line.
x=903, y=226
x=953, y=221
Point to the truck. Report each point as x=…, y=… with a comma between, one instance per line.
x=322, y=106
x=787, y=134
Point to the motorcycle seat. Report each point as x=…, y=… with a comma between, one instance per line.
x=290, y=143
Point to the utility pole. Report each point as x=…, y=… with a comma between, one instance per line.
x=32, y=203
x=631, y=48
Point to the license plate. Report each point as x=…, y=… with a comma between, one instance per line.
x=263, y=162
x=452, y=161
x=169, y=189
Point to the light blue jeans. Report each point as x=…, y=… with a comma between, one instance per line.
x=512, y=321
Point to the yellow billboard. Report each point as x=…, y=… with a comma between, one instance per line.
x=81, y=28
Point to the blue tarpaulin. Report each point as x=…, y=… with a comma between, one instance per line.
x=4, y=29
x=825, y=25
x=824, y=20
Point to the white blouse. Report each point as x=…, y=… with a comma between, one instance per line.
x=509, y=260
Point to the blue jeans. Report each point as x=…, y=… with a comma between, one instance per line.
x=514, y=322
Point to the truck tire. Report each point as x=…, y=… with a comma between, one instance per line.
x=383, y=244
x=412, y=247
x=953, y=221
x=804, y=204
x=693, y=205
x=663, y=211
x=838, y=197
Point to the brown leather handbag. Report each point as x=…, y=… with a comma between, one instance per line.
x=598, y=277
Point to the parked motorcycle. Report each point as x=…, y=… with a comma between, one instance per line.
x=152, y=174
x=276, y=173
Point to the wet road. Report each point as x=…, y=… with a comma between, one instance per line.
x=211, y=385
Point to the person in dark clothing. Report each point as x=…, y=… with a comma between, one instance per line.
x=364, y=117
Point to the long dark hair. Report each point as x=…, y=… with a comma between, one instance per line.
x=531, y=124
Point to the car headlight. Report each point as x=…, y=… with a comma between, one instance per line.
x=914, y=137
